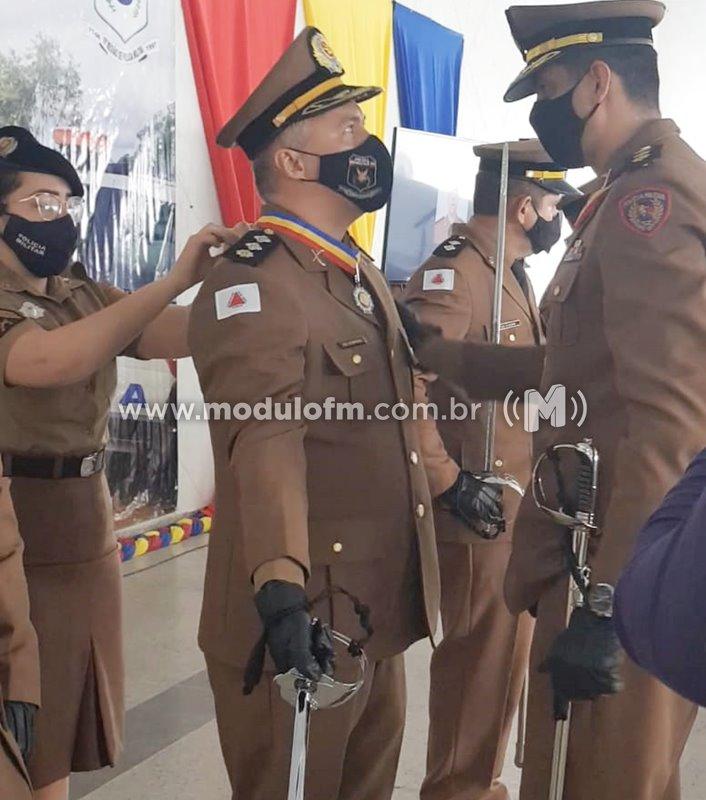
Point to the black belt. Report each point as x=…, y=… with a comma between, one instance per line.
x=18, y=466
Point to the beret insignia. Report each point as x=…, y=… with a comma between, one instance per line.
x=645, y=211
x=450, y=247
x=254, y=247
x=8, y=145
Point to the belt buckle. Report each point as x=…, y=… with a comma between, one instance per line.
x=91, y=464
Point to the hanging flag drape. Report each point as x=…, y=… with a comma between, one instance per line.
x=428, y=59
x=360, y=33
x=233, y=43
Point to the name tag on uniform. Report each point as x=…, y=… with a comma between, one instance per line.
x=243, y=298
x=575, y=252
x=438, y=279
x=507, y=326
x=353, y=343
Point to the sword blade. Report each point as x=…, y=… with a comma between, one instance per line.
x=300, y=741
x=497, y=299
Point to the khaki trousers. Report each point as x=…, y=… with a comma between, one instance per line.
x=477, y=673
x=353, y=750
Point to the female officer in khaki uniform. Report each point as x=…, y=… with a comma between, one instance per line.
x=59, y=335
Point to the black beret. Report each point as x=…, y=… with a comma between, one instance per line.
x=21, y=152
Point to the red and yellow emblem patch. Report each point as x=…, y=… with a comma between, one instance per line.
x=646, y=211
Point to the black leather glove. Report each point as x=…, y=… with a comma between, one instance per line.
x=584, y=661
x=292, y=638
x=20, y=723
x=417, y=332
x=475, y=501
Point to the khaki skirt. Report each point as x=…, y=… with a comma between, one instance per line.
x=73, y=574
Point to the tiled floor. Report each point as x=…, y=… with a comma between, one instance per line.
x=172, y=748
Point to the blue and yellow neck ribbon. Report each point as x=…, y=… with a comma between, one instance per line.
x=335, y=250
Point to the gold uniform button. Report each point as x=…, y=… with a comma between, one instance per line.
x=421, y=511
x=556, y=291
x=357, y=358
x=498, y=462
x=414, y=457
x=512, y=337
x=337, y=547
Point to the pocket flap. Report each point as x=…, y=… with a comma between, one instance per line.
x=350, y=361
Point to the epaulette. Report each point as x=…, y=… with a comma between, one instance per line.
x=450, y=247
x=253, y=248
x=642, y=158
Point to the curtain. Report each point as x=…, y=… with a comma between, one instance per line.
x=428, y=58
x=233, y=44
x=360, y=34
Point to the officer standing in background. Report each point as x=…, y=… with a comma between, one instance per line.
x=295, y=311
x=484, y=654
x=626, y=316
x=19, y=658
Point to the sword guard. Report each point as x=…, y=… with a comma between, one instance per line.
x=326, y=692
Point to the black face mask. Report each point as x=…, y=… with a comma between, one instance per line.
x=560, y=129
x=362, y=175
x=544, y=234
x=44, y=248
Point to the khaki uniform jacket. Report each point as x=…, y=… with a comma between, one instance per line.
x=454, y=291
x=626, y=326
x=346, y=501
x=19, y=656
x=65, y=420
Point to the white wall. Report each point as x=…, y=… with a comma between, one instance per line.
x=490, y=62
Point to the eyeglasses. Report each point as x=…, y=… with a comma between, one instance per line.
x=51, y=207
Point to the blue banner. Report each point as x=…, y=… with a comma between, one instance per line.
x=428, y=58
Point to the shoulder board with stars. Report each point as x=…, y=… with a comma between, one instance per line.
x=254, y=247
x=450, y=247
x=643, y=157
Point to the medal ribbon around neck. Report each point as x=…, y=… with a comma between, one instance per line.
x=346, y=258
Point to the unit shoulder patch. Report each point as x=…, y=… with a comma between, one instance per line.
x=243, y=298
x=645, y=211
x=253, y=248
x=451, y=247
x=439, y=280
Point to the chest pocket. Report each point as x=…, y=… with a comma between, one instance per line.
x=361, y=366
x=559, y=312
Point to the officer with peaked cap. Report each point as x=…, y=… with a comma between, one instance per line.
x=485, y=650
x=626, y=316
x=295, y=311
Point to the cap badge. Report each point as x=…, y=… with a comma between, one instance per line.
x=324, y=55
x=8, y=145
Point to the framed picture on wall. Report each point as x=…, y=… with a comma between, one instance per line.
x=434, y=177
